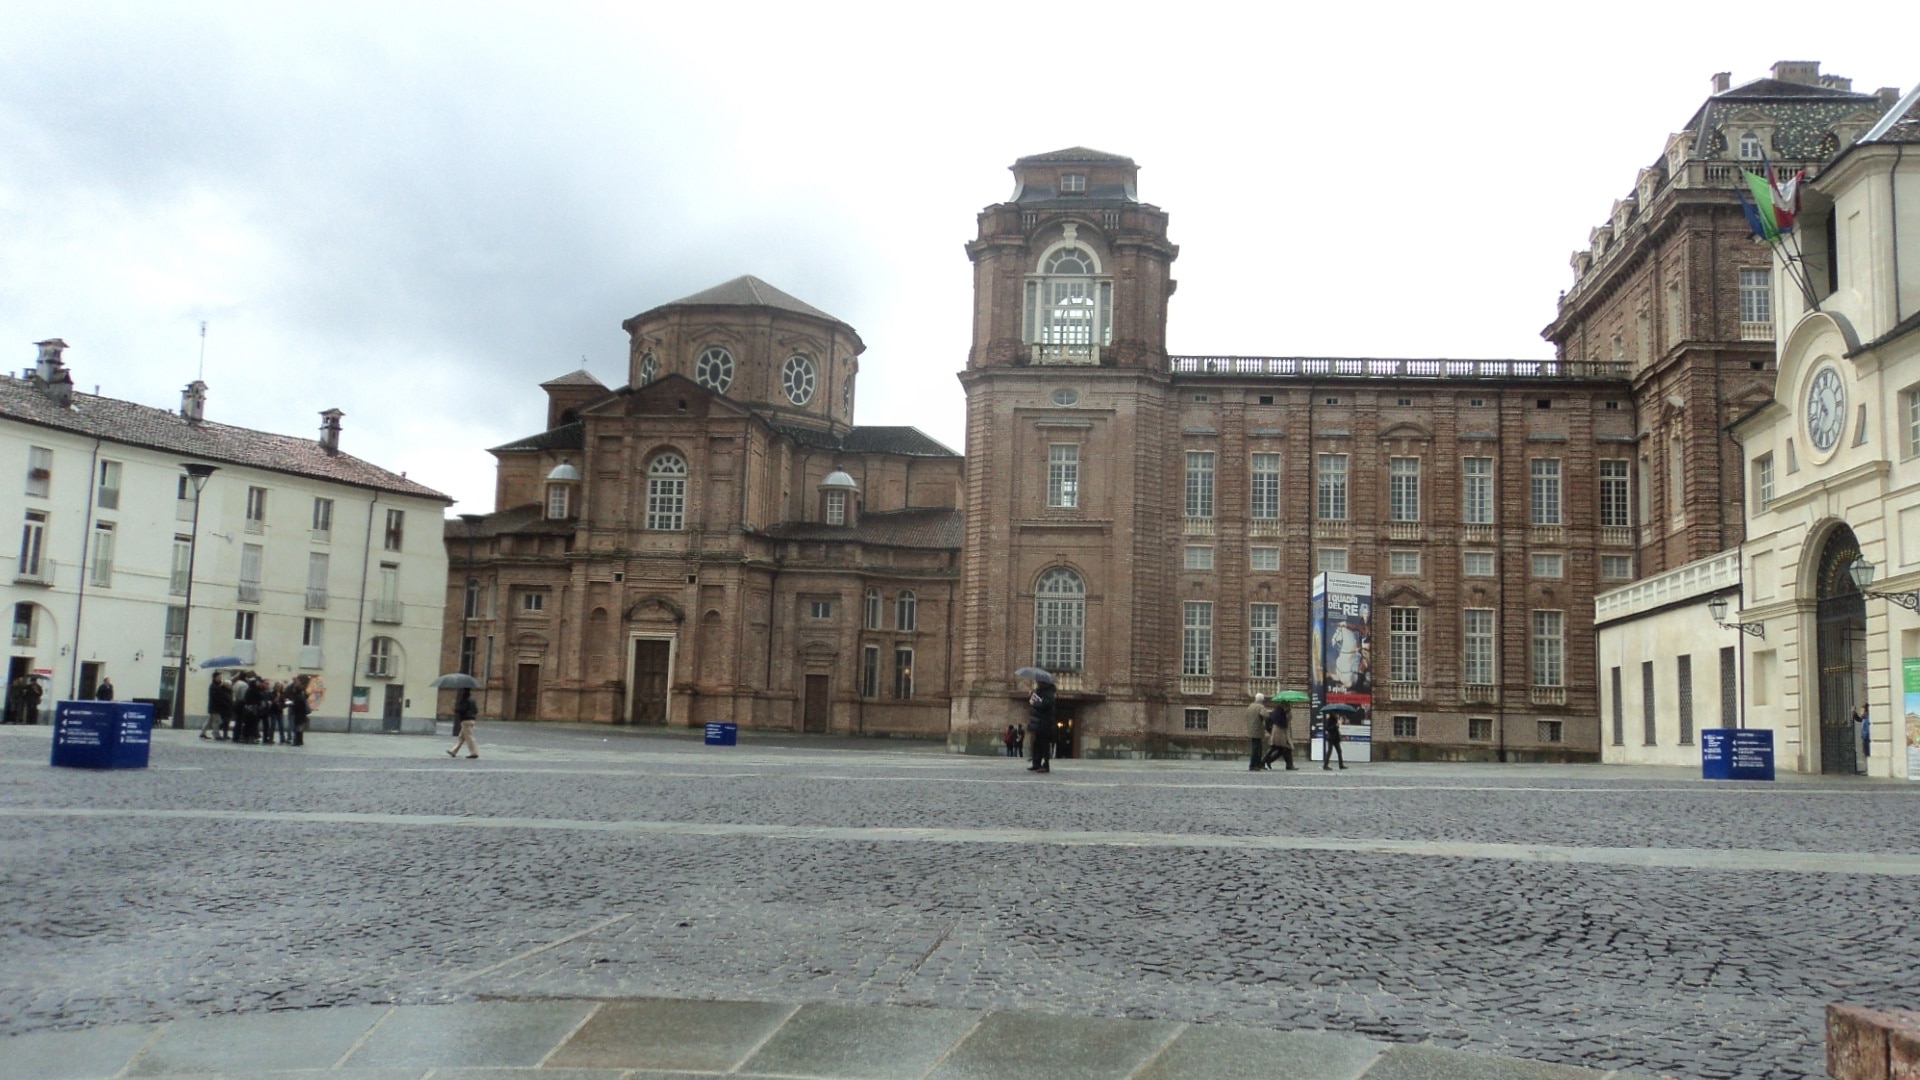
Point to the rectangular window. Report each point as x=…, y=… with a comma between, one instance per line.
x=533, y=601
x=470, y=603
x=1199, y=558
x=1762, y=483
x=319, y=567
x=903, y=673
x=23, y=623
x=1616, y=567
x=1196, y=638
x=1911, y=401
x=1549, y=648
x=1264, y=558
x=1330, y=498
x=1406, y=727
x=1549, y=566
x=1403, y=489
x=1476, y=491
x=1073, y=183
x=1332, y=560
x=836, y=508
x=1263, y=641
x=1756, y=296
x=1476, y=563
x=1404, y=563
x=820, y=609
x=872, y=610
x=1199, y=483
x=1476, y=647
x=396, y=529
x=1615, y=496
x=870, y=671
x=177, y=573
x=108, y=495
x=176, y=631
x=256, y=509
x=1550, y=731
x=251, y=557
x=469, y=651
x=1403, y=645
x=39, y=471
x=323, y=520
x=1063, y=475
x=243, y=623
x=1194, y=720
x=387, y=606
x=1480, y=728
x=1648, y=729
x=1619, y=710
x=906, y=610
x=1264, y=482
x=1544, y=493
x=100, y=572
x=1684, y=674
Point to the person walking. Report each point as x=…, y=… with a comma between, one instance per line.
x=1330, y=728
x=464, y=714
x=219, y=698
x=1040, y=725
x=1256, y=733
x=277, y=716
x=299, y=707
x=1279, y=736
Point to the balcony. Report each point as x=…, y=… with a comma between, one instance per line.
x=255, y=525
x=1266, y=688
x=1367, y=368
x=1548, y=695
x=35, y=572
x=1477, y=534
x=1756, y=331
x=1071, y=681
x=1403, y=691
x=1263, y=527
x=183, y=510
x=1404, y=530
x=1331, y=530
x=250, y=592
x=321, y=536
x=177, y=583
x=388, y=611
x=170, y=647
x=1195, y=526
x=1196, y=685
x=310, y=656
x=1484, y=694
x=1547, y=534
x=316, y=599
x=1074, y=355
x=246, y=651
x=1616, y=535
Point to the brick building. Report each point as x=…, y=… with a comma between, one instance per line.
x=715, y=540
x=1675, y=286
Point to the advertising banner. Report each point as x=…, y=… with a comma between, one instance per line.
x=1910, y=710
x=1341, y=631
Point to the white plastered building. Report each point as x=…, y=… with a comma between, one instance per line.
x=307, y=560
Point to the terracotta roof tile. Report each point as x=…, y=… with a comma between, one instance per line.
x=745, y=291
x=132, y=424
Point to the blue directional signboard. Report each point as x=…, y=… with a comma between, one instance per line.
x=102, y=734
x=723, y=734
x=1736, y=754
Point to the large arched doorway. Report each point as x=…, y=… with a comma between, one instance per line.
x=1842, y=651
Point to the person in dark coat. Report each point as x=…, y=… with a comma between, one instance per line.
x=1279, y=737
x=105, y=692
x=219, y=705
x=27, y=699
x=1040, y=725
x=1330, y=727
x=299, y=707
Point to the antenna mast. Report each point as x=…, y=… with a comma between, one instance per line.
x=202, y=373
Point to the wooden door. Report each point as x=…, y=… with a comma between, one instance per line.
x=650, y=672
x=815, y=709
x=526, y=693
x=396, y=701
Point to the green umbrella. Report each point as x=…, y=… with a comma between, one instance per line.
x=1291, y=697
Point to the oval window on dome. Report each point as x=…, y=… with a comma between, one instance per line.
x=798, y=379
x=1064, y=396
x=714, y=369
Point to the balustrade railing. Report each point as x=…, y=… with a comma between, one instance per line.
x=1370, y=368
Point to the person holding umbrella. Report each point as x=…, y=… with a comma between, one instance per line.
x=1330, y=728
x=1040, y=717
x=1279, y=734
x=465, y=712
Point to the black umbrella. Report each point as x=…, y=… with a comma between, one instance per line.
x=1340, y=709
x=1034, y=673
x=455, y=681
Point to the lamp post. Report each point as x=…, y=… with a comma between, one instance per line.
x=197, y=472
x=1717, y=607
x=1861, y=571
x=467, y=596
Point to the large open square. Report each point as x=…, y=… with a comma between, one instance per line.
x=1604, y=917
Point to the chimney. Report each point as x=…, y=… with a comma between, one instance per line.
x=1801, y=72
x=1836, y=82
x=1886, y=97
x=1722, y=81
x=330, y=431
x=51, y=375
x=193, y=402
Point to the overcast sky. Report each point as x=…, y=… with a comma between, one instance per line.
x=418, y=212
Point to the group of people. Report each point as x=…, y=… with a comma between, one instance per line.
x=249, y=709
x=23, y=700
x=1270, y=736
x=1015, y=740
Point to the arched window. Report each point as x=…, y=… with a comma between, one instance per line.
x=667, y=493
x=1069, y=307
x=1060, y=621
x=872, y=620
x=383, y=655
x=906, y=610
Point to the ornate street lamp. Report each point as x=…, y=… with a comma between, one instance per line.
x=1861, y=571
x=1717, y=607
x=197, y=472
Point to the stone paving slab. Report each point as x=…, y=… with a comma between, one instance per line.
x=686, y=1040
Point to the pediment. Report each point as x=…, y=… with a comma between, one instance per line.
x=655, y=608
x=1406, y=430
x=672, y=394
x=1404, y=595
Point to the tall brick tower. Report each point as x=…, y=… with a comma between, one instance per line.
x=1068, y=448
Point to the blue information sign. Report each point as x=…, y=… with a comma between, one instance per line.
x=1736, y=754
x=723, y=734
x=102, y=734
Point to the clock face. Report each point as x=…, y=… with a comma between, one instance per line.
x=1826, y=408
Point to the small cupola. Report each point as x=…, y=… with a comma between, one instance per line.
x=330, y=431
x=50, y=372
x=839, y=499
x=193, y=402
x=561, y=481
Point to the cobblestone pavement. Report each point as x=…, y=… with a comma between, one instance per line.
x=1611, y=918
